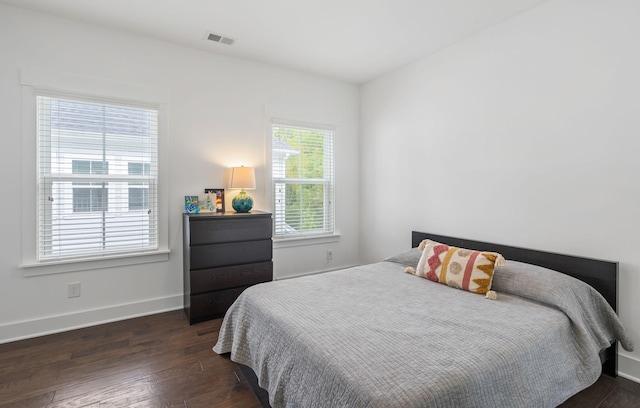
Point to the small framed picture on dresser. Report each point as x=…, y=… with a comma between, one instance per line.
x=217, y=198
x=191, y=204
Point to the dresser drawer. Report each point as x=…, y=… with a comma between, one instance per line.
x=208, y=231
x=234, y=253
x=212, y=304
x=206, y=280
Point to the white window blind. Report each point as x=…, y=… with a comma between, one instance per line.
x=303, y=180
x=97, y=178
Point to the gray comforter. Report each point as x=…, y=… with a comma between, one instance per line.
x=374, y=336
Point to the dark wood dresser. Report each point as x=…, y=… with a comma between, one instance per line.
x=224, y=253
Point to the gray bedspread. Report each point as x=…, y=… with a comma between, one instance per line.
x=375, y=336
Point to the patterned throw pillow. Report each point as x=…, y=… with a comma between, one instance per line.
x=457, y=267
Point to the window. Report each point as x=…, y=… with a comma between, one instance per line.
x=302, y=174
x=97, y=178
x=139, y=192
x=89, y=196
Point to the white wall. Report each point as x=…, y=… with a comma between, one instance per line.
x=526, y=134
x=218, y=117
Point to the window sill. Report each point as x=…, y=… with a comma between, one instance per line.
x=305, y=240
x=34, y=268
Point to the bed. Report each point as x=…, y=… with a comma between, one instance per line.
x=375, y=336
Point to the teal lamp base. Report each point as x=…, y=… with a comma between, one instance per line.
x=242, y=203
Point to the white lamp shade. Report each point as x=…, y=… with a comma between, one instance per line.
x=243, y=177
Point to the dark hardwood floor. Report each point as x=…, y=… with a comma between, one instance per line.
x=152, y=361
x=162, y=361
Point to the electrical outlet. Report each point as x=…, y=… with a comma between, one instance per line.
x=73, y=290
x=329, y=254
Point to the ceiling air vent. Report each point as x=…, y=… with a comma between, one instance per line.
x=220, y=38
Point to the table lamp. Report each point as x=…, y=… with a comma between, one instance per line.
x=243, y=178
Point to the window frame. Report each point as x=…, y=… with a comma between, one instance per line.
x=315, y=236
x=35, y=82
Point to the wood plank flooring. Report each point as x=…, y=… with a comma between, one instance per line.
x=162, y=361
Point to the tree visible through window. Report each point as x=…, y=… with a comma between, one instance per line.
x=302, y=173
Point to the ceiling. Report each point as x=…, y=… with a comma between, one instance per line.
x=351, y=40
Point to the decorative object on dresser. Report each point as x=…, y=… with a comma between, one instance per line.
x=243, y=178
x=217, y=197
x=191, y=204
x=223, y=254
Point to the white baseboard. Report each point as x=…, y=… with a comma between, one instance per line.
x=629, y=367
x=56, y=324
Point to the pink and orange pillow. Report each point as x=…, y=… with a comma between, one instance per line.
x=460, y=268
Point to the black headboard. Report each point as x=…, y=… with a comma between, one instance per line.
x=601, y=275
